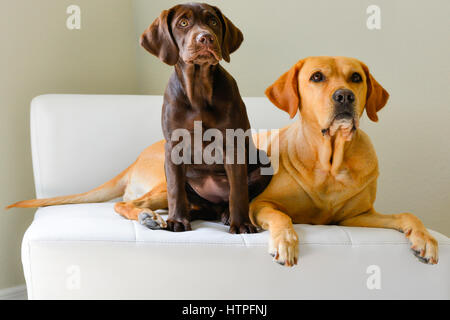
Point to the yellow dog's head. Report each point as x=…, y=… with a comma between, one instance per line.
x=330, y=92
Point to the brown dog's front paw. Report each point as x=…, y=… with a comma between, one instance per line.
x=283, y=247
x=178, y=226
x=245, y=227
x=423, y=245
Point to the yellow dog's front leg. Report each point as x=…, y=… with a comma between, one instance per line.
x=424, y=246
x=283, y=241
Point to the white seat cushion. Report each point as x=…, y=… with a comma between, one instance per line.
x=88, y=251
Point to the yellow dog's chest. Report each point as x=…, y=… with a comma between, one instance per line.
x=320, y=195
x=329, y=190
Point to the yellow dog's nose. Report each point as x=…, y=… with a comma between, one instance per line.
x=344, y=96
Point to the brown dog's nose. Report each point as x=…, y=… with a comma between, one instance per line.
x=343, y=96
x=205, y=38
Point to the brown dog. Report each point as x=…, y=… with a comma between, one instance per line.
x=194, y=38
x=328, y=167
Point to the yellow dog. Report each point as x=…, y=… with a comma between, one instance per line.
x=327, y=167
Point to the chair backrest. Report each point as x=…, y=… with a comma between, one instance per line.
x=81, y=141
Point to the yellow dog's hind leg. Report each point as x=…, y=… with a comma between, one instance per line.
x=424, y=246
x=142, y=209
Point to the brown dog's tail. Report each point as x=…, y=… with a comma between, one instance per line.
x=107, y=191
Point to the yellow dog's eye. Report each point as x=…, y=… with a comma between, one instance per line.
x=317, y=77
x=356, y=77
x=183, y=23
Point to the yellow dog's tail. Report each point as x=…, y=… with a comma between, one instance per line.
x=107, y=191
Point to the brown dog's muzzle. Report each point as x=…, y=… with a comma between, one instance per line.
x=205, y=38
x=206, y=48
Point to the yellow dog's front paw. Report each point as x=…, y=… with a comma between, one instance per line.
x=283, y=247
x=424, y=246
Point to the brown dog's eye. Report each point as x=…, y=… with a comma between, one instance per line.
x=183, y=23
x=356, y=77
x=213, y=22
x=317, y=77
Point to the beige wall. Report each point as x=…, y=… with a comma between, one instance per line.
x=409, y=56
x=38, y=54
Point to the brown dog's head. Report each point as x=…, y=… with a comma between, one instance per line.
x=331, y=92
x=196, y=33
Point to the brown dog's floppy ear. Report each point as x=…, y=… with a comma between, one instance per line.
x=376, y=97
x=158, y=40
x=284, y=92
x=232, y=36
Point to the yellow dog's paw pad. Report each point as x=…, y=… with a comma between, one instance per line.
x=283, y=247
x=424, y=246
x=152, y=220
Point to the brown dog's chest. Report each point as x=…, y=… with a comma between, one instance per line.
x=206, y=132
x=206, y=116
x=211, y=182
x=212, y=186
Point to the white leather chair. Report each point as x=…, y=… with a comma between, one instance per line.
x=87, y=251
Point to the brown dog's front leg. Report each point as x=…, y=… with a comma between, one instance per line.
x=178, y=219
x=238, y=205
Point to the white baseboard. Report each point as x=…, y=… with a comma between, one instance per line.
x=14, y=293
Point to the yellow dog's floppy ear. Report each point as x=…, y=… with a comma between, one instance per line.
x=284, y=92
x=376, y=97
